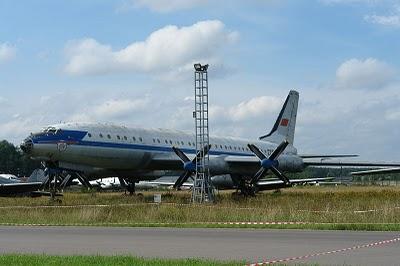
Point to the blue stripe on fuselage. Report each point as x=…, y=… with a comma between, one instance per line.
x=62, y=135
x=76, y=138
x=151, y=148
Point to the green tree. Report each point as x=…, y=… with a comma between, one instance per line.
x=13, y=161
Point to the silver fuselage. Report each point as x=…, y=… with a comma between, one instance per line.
x=105, y=150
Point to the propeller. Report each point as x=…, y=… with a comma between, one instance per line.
x=188, y=165
x=270, y=163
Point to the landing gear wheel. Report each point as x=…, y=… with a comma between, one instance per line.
x=130, y=187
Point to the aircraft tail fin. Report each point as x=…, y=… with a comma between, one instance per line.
x=285, y=124
x=37, y=175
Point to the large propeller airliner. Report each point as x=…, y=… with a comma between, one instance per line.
x=95, y=151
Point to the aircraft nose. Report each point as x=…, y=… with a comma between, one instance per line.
x=27, y=145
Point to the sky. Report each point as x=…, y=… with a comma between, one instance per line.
x=130, y=62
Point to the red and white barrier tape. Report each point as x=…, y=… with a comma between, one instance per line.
x=375, y=244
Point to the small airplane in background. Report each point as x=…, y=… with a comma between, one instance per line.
x=135, y=154
x=10, y=185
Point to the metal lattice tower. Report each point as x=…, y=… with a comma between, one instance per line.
x=202, y=187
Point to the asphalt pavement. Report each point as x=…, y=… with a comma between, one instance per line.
x=251, y=245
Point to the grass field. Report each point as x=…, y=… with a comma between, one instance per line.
x=355, y=208
x=39, y=260
x=46, y=260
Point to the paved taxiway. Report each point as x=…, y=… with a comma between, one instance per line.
x=223, y=244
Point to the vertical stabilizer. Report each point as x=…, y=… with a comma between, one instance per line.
x=285, y=124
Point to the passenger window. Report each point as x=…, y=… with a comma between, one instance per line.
x=89, y=135
x=158, y=141
x=109, y=136
x=166, y=141
x=125, y=138
x=134, y=139
x=140, y=139
x=154, y=140
x=101, y=135
x=170, y=142
x=118, y=137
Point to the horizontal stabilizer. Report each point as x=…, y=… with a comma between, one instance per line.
x=349, y=164
x=311, y=156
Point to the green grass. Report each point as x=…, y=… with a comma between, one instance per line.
x=39, y=260
x=321, y=207
x=47, y=260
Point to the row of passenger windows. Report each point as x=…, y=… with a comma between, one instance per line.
x=140, y=139
x=170, y=142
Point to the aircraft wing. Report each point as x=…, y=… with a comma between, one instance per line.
x=348, y=164
x=377, y=171
x=277, y=183
x=312, y=156
x=17, y=188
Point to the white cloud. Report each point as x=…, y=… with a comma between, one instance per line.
x=168, y=50
x=384, y=20
x=391, y=20
x=7, y=52
x=110, y=110
x=161, y=6
x=364, y=74
x=255, y=107
x=115, y=108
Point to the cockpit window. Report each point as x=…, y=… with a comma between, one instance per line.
x=51, y=130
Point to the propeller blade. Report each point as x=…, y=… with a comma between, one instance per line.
x=182, y=179
x=280, y=175
x=181, y=155
x=261, y=173
x=256, y=151
x=278, y=151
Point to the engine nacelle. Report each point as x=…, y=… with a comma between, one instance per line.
x=290, y=163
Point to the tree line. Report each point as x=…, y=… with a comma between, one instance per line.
x=14, y=161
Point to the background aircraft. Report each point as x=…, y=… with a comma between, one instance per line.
x=99, y=150
x=11, y=185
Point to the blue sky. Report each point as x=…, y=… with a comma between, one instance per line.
x=130, y=62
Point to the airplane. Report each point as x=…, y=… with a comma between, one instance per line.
x=381, y=171
x=10, y=185
x=94, y=151
x=113, y=183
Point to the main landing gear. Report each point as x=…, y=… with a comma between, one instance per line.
x=58, y=179
x=129, y=186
